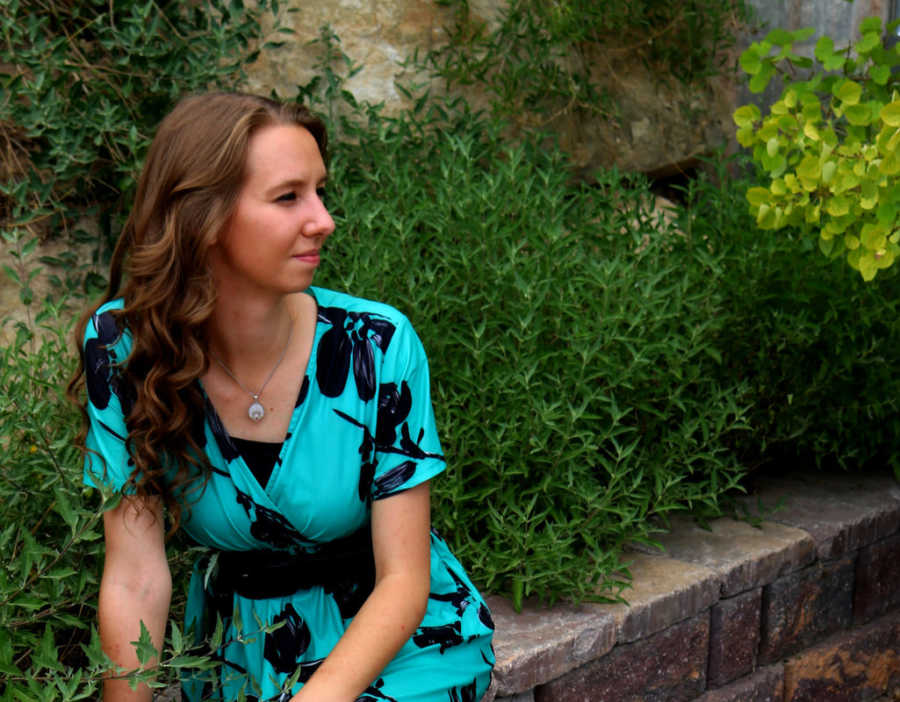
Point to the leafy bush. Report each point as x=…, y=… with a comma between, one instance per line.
x=814, y=348
x=830, y=146
x=537, y=57
x=572, y=339
x=84, y=85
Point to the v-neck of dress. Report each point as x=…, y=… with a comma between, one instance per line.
x=297, y=413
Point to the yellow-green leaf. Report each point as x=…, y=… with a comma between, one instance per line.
x=828, y=171
x=809, y=168
x=758, y=196
x=858, y=115
x=868, y=43
x=759, y=81
x=765, y=218
x=873, y=236
x=851, y=242
x=890, y=164
x=824, y=48
x=750, y=60
x=848, y=92
x=885, y=258
x=813, y=214
x=746, y=136
x=746, y=115
x=867, y=265
x=890, y=114
x=868, y=196
x=838, y=206
x=880, y=74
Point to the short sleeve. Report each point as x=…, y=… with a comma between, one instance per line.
x=408, y=451
x=107, y=462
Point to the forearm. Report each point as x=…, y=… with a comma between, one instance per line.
x=123, y=605
x=384, y=623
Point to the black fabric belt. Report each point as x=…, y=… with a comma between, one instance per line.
x=259, y=575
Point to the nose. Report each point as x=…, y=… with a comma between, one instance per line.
x=319, y=222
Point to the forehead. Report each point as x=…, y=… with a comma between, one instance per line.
x=282, y=152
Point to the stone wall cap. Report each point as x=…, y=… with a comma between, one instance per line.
x=663, y=592
x=841, y=512
x=744, y=556
x=541, y=643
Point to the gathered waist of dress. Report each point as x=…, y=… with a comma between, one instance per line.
x=264, y=574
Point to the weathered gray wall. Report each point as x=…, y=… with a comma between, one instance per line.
x=662, y=125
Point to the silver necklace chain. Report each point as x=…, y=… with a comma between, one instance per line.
x=256, y=411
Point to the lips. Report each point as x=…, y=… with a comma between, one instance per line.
x=308, y=256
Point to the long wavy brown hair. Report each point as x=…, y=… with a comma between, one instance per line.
x=185, y=196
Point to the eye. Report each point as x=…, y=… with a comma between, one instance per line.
x=320, y=193
x=287, y=197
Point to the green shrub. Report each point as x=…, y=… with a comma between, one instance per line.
x=84, y=85
x=572, y=341
x=815, y=349
x=830, y=146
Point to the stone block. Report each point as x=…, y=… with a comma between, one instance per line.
x=670, y=665
x=742, y=555
x=804, y=607
x=542, y=643
x=765, y=685
x=734, y=637
x=842, y=513
x=663, y=591
x=854, y=665
x=877, y=579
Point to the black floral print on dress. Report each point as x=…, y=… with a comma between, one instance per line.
x=373, y=693
x=287, y=643
x=444, y=636
x=352, y=338
x=304, y=390
x=268, y=525
x=393, y=408
x=100, y=375
x=366, y=450
x=467, y=693
x=393, y=479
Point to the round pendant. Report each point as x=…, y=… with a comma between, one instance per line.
x=256, y=411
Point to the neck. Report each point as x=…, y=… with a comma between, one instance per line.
x=248, y=335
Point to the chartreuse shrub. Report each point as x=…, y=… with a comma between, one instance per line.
x=830, y=145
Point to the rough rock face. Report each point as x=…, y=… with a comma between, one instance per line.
x=662, y=124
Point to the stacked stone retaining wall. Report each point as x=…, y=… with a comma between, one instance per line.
x=804, y=607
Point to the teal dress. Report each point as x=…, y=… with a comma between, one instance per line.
x=363, y=429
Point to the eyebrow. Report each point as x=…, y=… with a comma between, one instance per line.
x=294, y=182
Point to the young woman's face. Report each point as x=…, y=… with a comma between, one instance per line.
x=271, y=243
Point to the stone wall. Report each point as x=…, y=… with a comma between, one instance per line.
x=803, y=608
x=662, y=124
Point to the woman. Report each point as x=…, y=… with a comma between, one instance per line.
x=288, y=428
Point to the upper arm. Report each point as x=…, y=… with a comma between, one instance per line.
x=401, y=536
